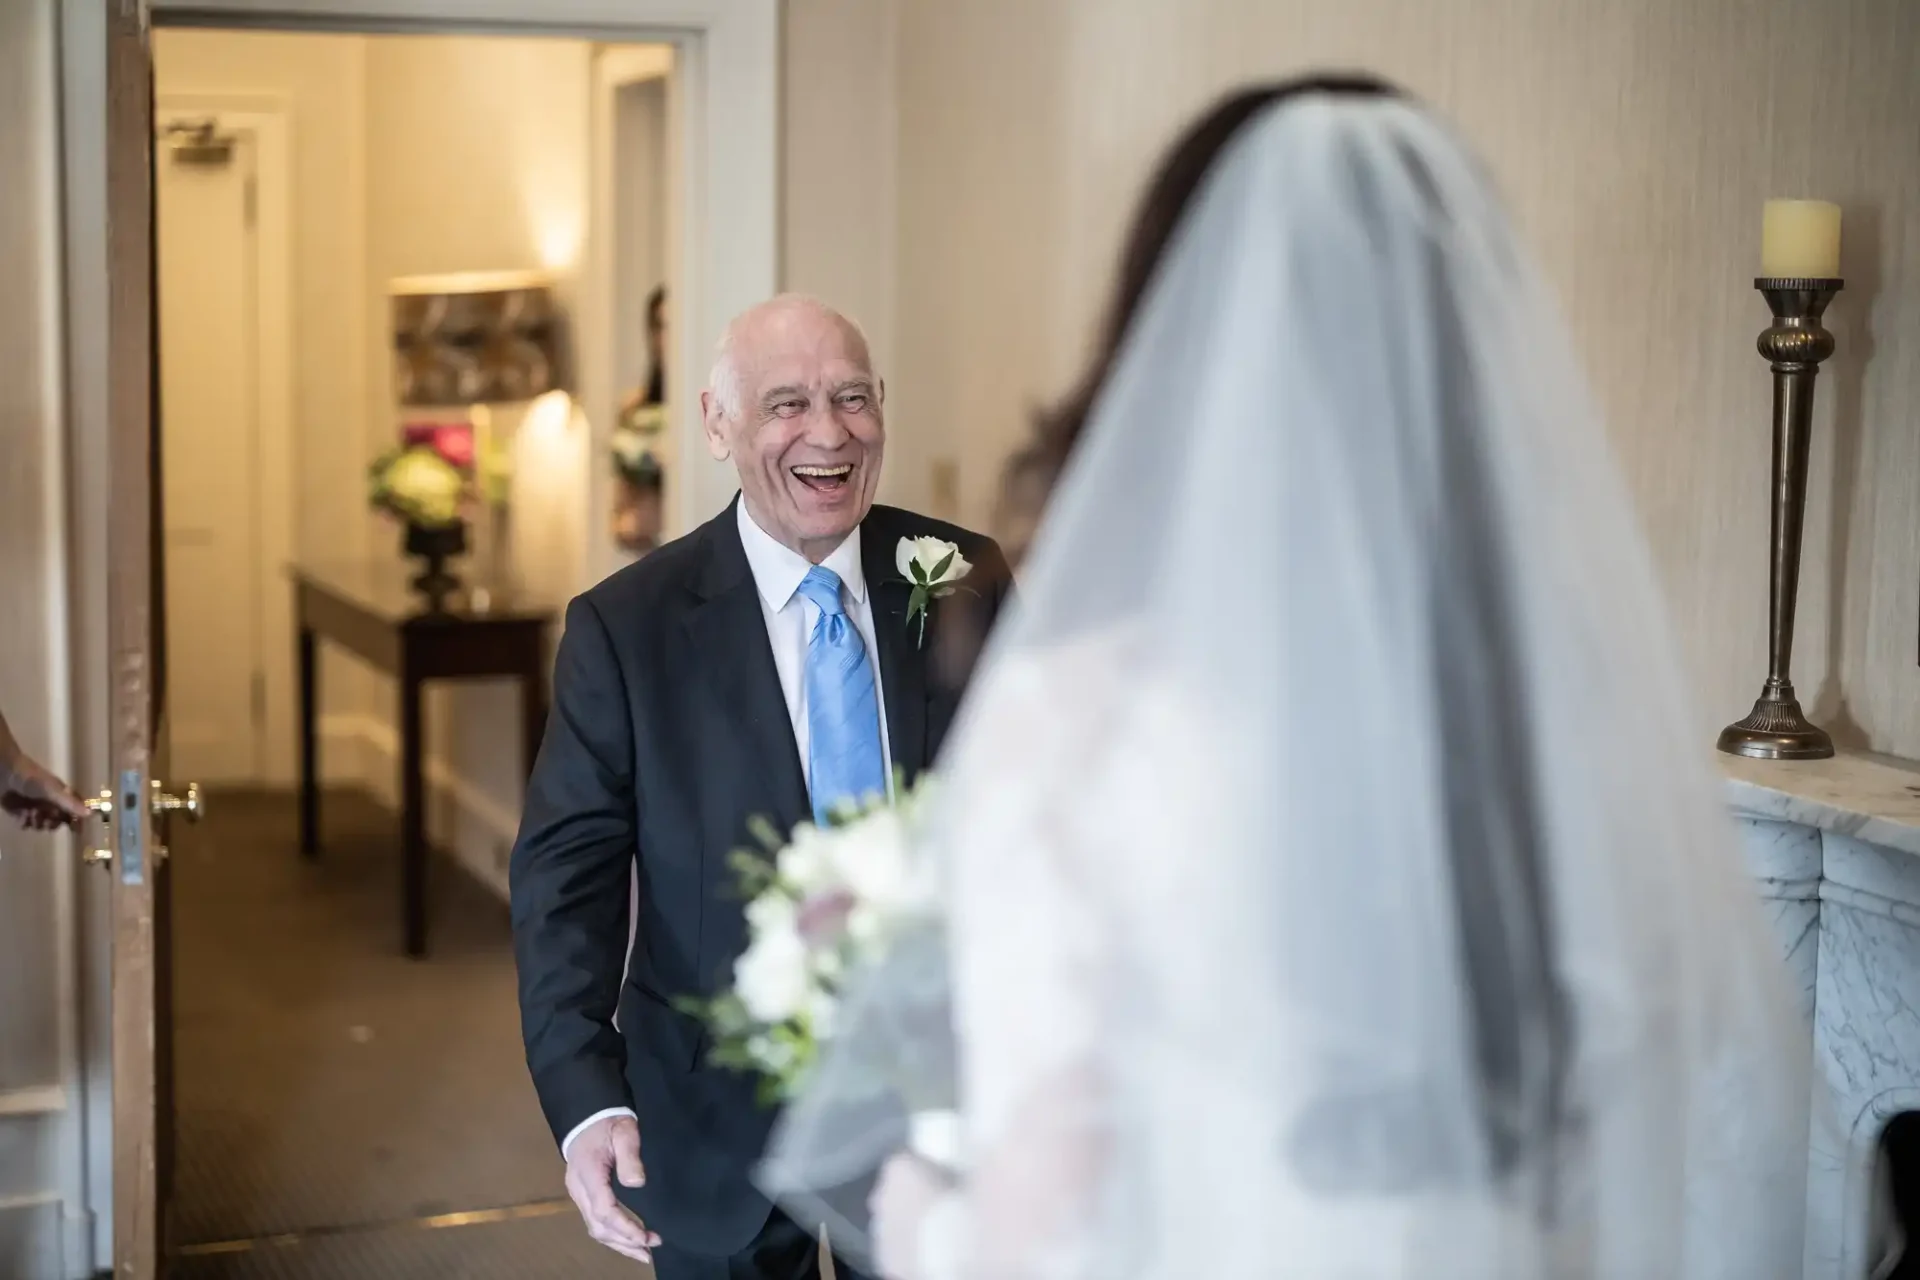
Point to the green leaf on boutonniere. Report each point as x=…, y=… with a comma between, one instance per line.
x=940, y=569
x=917, y=607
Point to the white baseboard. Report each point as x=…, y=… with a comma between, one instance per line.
x=462, y=819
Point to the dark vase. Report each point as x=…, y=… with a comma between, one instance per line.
x=436, y=544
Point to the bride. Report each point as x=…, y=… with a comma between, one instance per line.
x=1338, y=884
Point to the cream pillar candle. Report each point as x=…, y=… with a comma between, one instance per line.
x=1800, y=238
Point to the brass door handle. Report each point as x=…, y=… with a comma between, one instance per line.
x=101, y=807
x=190, y=804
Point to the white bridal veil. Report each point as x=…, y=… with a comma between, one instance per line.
x=1339, y=885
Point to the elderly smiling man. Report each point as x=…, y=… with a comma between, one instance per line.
x=763, y=666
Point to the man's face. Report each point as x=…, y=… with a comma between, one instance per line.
x=809, y=435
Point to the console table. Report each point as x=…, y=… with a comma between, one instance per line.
x=370, y=610
x=1834, y=848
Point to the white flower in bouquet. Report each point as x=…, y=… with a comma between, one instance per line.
x=771, y=976
x=826, y=901
x=865, y=928
x=806, y=865
x=821, y=1010
x=875, y=862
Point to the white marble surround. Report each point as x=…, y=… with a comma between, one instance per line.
x=1835, y=848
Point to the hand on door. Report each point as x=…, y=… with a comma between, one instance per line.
x=33, y=794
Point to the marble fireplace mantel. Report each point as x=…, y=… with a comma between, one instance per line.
x=1834, y=846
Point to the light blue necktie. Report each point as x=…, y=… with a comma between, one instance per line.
x=843, y=706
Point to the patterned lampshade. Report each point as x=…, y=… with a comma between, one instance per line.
x=475, y=338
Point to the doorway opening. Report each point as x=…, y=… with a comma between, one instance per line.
x=373, y=261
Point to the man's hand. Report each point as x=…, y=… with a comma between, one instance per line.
x=603, y=1150
x=36, y=798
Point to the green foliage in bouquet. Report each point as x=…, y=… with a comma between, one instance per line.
x=781, y=1052
x=820, y=905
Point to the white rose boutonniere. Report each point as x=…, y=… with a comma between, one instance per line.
x=934, y=568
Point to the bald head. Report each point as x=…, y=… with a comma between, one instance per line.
x=778, y=319
x=794, y=402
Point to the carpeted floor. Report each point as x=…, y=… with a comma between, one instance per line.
x=329, y=1090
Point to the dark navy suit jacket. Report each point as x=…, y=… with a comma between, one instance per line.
x=669, y=733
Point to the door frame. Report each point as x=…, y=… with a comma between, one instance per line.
x=267, y=117
x=613, y=70
x=728, y=64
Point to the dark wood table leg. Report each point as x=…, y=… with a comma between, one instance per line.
x=309, y=745
x=413, y=816
x=533, y=714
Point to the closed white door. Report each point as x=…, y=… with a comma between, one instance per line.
x=209, y=401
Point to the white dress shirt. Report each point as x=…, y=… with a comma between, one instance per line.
x=777, y=572
x=790, y=617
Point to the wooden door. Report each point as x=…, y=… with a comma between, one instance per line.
x=141, y=799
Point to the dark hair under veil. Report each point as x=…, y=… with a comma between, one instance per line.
x=1518, y=1005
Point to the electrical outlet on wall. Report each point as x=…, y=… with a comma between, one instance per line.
x=943, y=483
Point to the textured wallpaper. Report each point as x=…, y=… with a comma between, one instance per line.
x=1635, y=141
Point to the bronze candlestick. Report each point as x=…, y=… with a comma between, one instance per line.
x=1794, y=345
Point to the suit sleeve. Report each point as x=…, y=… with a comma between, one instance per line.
x=569, y=880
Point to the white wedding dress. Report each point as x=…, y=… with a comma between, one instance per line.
x=1339, y=887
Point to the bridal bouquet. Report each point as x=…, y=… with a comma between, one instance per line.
x=820, y=906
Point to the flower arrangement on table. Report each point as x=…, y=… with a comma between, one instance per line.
x=820, y=906
x=429, y=482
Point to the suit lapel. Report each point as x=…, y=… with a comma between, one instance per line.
x=729, y=633
x=903, y=664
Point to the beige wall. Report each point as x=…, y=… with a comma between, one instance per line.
x=320, y=82
x=477, y=154
x=839, y=218
x=1635, y=142
x=639, y=231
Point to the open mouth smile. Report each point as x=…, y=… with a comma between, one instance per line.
x=824, y=479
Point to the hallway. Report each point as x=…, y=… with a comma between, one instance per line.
x=343, y=1111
